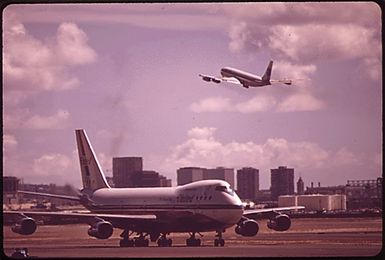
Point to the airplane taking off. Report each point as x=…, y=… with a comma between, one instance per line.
x=201, y=206
x=245, y=79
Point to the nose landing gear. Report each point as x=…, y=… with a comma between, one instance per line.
x=219, y=241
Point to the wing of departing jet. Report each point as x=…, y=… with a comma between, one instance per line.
x=219, y=80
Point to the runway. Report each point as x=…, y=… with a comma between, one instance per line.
x=327, y=237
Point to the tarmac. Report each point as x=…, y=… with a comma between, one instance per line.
x=323, y=237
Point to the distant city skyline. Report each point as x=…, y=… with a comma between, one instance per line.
x=128, y=74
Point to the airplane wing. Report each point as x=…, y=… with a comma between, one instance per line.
x=57, y=196
x=255, y=212
x=119, y=221
x=219, y=80
x=209, y=78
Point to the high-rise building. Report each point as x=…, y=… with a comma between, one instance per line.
x=282, y=182
x=189, y=174
x=300, y=186
x=123, y=168
x=10, y=186
x=247, y=183
x=221, y=173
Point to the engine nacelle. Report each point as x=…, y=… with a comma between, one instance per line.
x=247, y=228
x=101, y=230
x=26, y=226
x=216, y=81
x=280, y=222
x=208, y=79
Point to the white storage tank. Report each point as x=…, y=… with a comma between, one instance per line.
x=338, y=202
x=287, y=200
x=315, y=202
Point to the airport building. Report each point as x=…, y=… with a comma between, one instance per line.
x=282, y=182
x=359, y=193
x=247, y=183
x=314, y=202
x=190, y=174
x=364, y=193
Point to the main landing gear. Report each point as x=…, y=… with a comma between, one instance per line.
x=139, y=241
x=219, y=241
x=192, y=241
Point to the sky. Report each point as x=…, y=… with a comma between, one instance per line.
x=128, y=75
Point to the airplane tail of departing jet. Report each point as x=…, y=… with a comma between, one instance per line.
x=266, y=76
x=92, y=175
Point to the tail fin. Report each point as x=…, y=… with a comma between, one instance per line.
x=92, y=175
x=266, y=76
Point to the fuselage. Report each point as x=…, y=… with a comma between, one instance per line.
x=206, y=205
x=245, y=78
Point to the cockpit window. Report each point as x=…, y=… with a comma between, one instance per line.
x=226, y=189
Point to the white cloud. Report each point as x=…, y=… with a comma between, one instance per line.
x=201, y=132
x=219, y=104
x=312, y=42
x=344, y=157
x=30, y=63
x=300, y=102
x=9, y=143
x=309, y=32
x=52, y=165
x=257, y=104
x=299, y=73
x=209, y=152
x=58, y=120
x=212, y=104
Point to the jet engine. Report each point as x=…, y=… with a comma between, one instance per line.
x=216, y=81
x=208, y=79
x=280, y=222
x=247, y=228
x=25, y=226
x=101, y=230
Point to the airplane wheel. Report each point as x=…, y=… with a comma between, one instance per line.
x=219, y=242
x=169, y=242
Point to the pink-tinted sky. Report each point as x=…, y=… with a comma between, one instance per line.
x=128, y=74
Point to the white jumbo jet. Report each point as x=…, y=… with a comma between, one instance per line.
x=245, y=79
x=202, y=206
